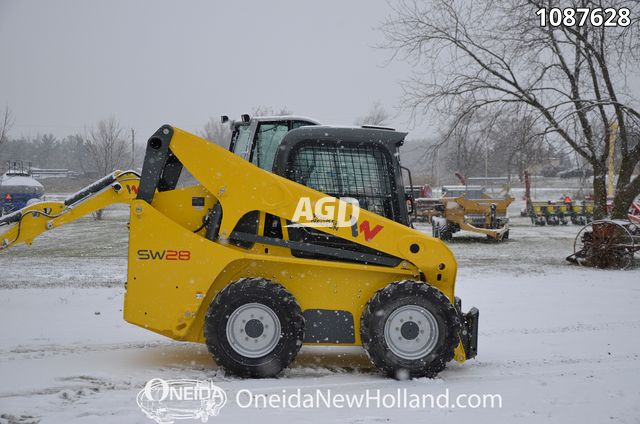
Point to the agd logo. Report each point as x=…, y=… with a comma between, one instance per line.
x=327, y=212
x=166, y=401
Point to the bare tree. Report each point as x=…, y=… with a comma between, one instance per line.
x=571, y=77
x=45, y=147
x=216, y=132
x=519, y=143
x=377, y=115
x=107, y=148
x=77, y=154
x=6, y=124
x=106, y=145
x=466, y=145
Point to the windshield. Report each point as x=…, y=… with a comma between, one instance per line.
x=267, y=142
x=241, y=141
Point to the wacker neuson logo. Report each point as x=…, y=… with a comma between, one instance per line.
x=166, y=401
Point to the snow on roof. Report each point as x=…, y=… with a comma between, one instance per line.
x=18, y=180
x=284, y=118
x=461, y=187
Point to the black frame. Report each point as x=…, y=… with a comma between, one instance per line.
x=388, y=141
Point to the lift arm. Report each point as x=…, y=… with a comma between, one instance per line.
x=24, y=225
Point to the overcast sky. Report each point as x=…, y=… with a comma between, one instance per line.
x=66, y=64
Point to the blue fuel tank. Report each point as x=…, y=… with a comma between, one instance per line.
x=17, y=188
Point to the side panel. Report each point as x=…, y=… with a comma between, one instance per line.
x=171, y=295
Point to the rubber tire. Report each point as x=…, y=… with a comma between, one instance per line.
x=435, y=230
x=266, y=292
x=442, y=232
x=446, y=234
x=383, y=303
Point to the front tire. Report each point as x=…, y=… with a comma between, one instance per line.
x=409, y=329
x=254, y=328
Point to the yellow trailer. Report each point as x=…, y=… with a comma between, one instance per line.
x=470, y=208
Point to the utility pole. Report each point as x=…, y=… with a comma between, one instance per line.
x=437, y=165
x=613, y=134
x=486, y=163
x=133, y=147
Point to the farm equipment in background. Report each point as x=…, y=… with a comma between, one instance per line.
x=426, y=208
x=464, y=207
x=470, y=208
x=552, y=212
x=229, y=260
x=424, y=204
x=634, y=213
x=606, y=244
x=560, y=213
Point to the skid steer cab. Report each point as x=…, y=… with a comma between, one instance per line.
x=256, y=263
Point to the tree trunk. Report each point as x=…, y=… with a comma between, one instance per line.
x=599, y=191
x=625, y=193
x=621, y=204
x=97, y=215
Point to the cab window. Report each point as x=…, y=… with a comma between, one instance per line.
x=298, y=124
x=345, y=171
x=268, y=138
x=241, y=141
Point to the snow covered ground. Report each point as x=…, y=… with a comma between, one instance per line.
x=557, y=342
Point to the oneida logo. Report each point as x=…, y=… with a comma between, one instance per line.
x=327, y=212
x=166, y=401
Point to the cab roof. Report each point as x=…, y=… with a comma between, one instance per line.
x=389, y=139
x=345, y=134
x=285, y=118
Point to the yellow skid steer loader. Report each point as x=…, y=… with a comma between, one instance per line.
x=251, y=261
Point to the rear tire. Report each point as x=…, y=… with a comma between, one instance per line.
x=254, y=328
x=409, y=329
x=442, y=230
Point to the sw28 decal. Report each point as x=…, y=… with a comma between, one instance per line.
x=166, y=255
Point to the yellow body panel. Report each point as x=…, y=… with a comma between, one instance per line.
x=184, y=288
